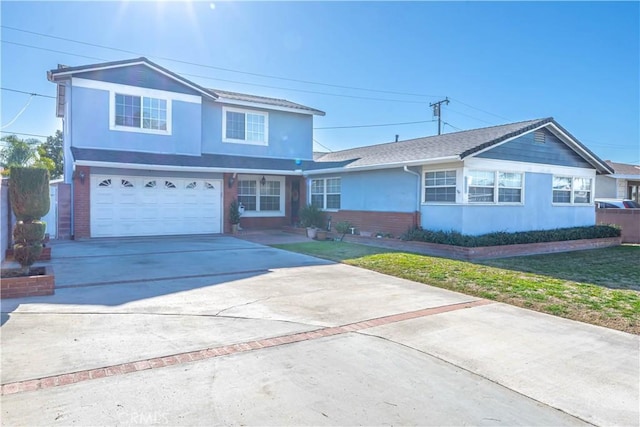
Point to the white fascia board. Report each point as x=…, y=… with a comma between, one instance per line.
x=185, y=168
x=621, y=176
x=511, y=166
x=576, y=146
x=183, y=82
x=135, y=90
x=263, y=106
x=383, y=166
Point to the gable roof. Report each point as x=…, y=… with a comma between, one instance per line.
x=251, y=100
x=454, y=146
x=61, y=73
x=64, y=72
x=624, y=170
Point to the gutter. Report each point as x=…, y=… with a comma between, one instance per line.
x=382, y=166
x=417, y=175
x=138, y=166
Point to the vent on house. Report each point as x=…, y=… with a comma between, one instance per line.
x=539, y=136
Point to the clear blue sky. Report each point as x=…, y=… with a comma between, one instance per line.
x=578, y=62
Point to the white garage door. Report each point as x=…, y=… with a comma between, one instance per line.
x=144, y=206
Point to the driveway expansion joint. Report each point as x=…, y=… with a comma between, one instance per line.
x=226, y=350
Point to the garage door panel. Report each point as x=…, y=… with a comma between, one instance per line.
x=133, y=206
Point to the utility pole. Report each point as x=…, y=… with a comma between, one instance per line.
x=437, y=112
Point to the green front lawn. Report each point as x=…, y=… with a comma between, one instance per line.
x=575, y=285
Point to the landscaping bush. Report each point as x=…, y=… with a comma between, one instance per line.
x=343, y=227
x=501, y=238
x=29, y=195
x=311, y=216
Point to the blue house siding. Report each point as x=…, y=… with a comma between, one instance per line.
x=138, y=75
x=388, y=190
x=290, y=135
x=526, y=149
x=90, y=127
x=538, y=213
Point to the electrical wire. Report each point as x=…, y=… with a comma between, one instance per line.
x=480, y=109
x=219, y=68
x=323, y=146
x=27, y=93
x=25, y=134
x=19, y=113
x=375, y=125
x=452, y=126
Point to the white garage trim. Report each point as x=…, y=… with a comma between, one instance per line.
x=146, y=206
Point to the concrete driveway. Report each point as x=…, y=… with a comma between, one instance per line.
x=223, y=331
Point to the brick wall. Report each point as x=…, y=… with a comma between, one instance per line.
x=628, y=219
x=82, y=203
x=395, y=223
x=230, y=195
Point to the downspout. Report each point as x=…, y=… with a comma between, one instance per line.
x=407, y=170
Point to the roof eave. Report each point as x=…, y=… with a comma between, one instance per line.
x=346, y=169
x=140, y=166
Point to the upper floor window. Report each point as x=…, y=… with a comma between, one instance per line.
x=572, y=190
x=141, y=112
x=440, y=186
x=325, y=193
x=245, y=126
x=495, y=186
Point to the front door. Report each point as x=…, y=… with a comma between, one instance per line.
x=295, y=201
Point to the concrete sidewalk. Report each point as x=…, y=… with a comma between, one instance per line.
x=226, y=331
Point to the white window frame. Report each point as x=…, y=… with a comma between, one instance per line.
x=258, y=212
x=425, y=186
x=142, y=117
x=141, y=93
x=264, y=114
x=325, y=193
x=496, y=187
x=573, y=190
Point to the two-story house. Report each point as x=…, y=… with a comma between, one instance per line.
x=148, y=152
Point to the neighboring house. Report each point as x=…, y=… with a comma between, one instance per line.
x=623, y=183
x=148, y=152
x=522, y=176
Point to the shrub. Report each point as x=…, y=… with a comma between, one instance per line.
x=29, y=193
x=234, y=212
x=311, y=216
x=501, y=238
x=343, y=227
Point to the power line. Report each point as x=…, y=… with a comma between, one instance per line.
x=450, y=125
x=233, y=81
x=12, y=121
x=480, y=109
x=323, y=146
x=471, y=117
x=376, y=125
x=25, y=134
x=220, y=68
x=28, y=93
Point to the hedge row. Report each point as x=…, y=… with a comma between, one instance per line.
x=500, y=238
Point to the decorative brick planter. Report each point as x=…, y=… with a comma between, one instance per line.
x=44, y=256
x=483, y=252
x=28, y=286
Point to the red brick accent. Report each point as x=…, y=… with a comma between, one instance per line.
x=188, y=357
x=628, y=219
x=231, y=194
x=28, y=286
x=395, y=223
x=82, y=203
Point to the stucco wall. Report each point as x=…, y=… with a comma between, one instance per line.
x=90, y=126
x=537, y=213
x=290, y=135
x=606, y=187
